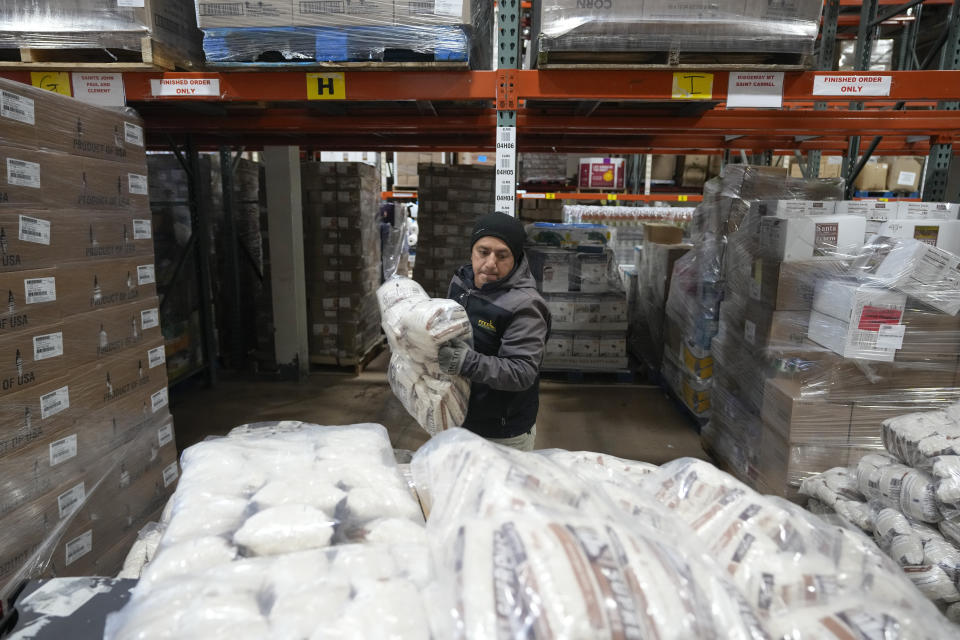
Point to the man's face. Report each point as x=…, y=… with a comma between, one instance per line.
x=491, y=259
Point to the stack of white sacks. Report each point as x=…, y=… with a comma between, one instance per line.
x=909, y=500
x=284, y=530
x=416, y=326
x=567, y=545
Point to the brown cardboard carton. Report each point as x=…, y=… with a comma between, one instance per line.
x=36, y=414
x=93, y=132
x=783, y=465
x=25, y=309
x=764, y=328
x=929, y=335
x=873, y=177
x=29, y=177
x=32, y=358
x=103, y=332
x=804, y=419
x=214, y=14
x=30, y=239
x=905, y=173
x=789, y=286
x=830, y=167
x=111, y=185
x=867, y=420
x=86, y=286
x=874, y=382
x=662, y=233
x=107, y=381
x=663, y=168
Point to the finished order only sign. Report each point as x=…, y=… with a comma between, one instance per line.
x=852, y=85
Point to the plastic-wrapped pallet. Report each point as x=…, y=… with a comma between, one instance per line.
x=416, y=326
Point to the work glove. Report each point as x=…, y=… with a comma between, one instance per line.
x=451, y=356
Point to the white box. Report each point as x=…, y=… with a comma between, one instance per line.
x=869, y=209
x=612, y=345
x=943, y=234
x=586, y=312
x=556, y=274
x=819, y=237
x=800, y=208
x=923, y=272
x=560, y=345
x=857, y=321
x=928, y=210
x=561, y=311
x=586, y=345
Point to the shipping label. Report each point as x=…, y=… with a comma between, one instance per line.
x=53, y=403
x=63, y=449
x=48, y=346
x=40, y=290
x=156, y=357
x=149, y=318
x=71, y=500
x=170, y=474
x=158, y=400
x=142, y=229
x=872, y=317
x=79, y=547
x=165, y=435
x=137, y=184
x=146, y=274
x=133, y=134
x=16, y=107
x=22, y=173
x=34, y=230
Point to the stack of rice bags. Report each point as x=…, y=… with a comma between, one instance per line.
x=908, y=499
x=416, y=326
x=575, y=545
x=285, y=530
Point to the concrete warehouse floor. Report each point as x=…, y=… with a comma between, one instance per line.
x=631, y=421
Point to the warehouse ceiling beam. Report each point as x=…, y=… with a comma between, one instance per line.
x=896, y=11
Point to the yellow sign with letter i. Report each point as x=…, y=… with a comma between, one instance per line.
x=692, y=85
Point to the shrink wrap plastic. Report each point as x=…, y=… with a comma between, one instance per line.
x=416, y=326
x=602, y=25
x=274, y=531
x=578, y=545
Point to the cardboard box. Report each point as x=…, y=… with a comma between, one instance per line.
x=107, y=381
x=789, y=286
x=586, y=345
x=886, y=383
x=32, y=358
x=873, y=177
x=86, y=286
x=103, y=332
x=31, y=300
x=800, y=419
x=944, y=234
x=927, y=210
x=799, y=208
x=472, y=158
x=764, y=328
x=821, y=237
x=551, y=268
x=590, y=272
x=344, y=14
x=612, y=344
x=693, y=177
x=35, y=415
x=830, y=167
x=601, y=173
x=559, y=345
x=904, y=174
x=687, y=357
x=857, y=321
x=663, y=168
x=870, y=209
x=214, y=14
x=661, y=233
x=921, y=271
x=783, y=465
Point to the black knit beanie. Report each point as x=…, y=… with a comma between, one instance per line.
x=503, y=226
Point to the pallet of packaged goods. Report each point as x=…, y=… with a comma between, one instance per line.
x=667, y=35
x=396, y=34
x=575, y=269
x=87, y=447
x=342, y=253
x=100, y=35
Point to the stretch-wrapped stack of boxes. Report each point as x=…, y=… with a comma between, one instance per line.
x=662, y=246
x=342, y=254
x=576, y=274
x=451, y=200
x=86, y=439
x=822, y=337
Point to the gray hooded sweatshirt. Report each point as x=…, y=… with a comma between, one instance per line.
x=510, y=322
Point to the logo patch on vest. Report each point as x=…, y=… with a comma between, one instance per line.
x=486, y=324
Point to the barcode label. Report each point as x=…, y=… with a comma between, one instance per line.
x=71, y=500
x=53, y=403
x=505, y=162
x=48, y=346
x=40, y=290
x=79, y=547
x=133, y=133
x=158, y=400
x=156, y=357
x=34, y=230
x=137, y=184
x=170, y=474
x=149, y=318
x=63, y=449
x=145, y=274
x=890, y=336
x=21, y=173
x=142, y=230
x=506, y=189
x=506, y=136
x=133, y=4
x=16, y=107
x=165, y=435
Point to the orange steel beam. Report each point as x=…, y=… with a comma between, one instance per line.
x=623, y=197
x=598, y=84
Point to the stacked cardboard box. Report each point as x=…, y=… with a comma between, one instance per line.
x=584, y=293
x=628, y=224
x=543, y=167
x=693, y=311
x=95, y=24
x=86, y=441
x=817, y=347
x=405, y=170
x=541, y=210
x=342, y=254
x=451, y=200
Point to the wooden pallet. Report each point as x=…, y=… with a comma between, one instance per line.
x=626, y=60
x=357, y=364
x=150, y=55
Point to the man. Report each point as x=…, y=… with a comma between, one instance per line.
x=510, y=322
